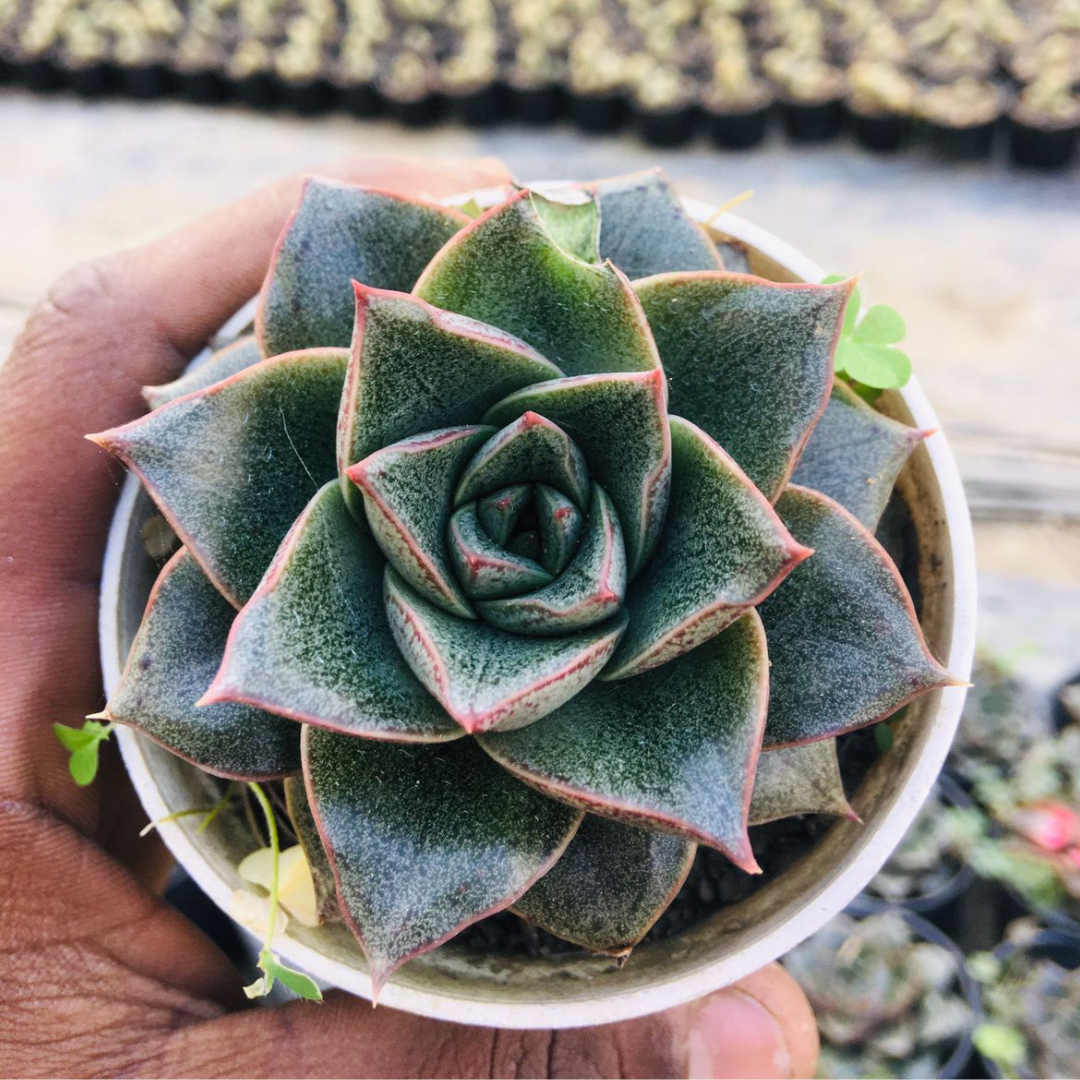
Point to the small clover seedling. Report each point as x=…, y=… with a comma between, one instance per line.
x=271, y=967
x=866, y=351
x=83, y=743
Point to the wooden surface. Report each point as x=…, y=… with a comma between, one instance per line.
x=982, y=260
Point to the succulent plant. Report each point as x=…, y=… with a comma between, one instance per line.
x=886, y=1002
x=488, y=530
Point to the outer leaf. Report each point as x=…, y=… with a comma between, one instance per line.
x=560, y=523
x=574, y=226
x=851, y=314
x=499, y=512
x=416, y=369
x=340, y=232
x=620, y=424
x=486, y=570
x=855, y=454
x=645, y=230
x=531, y=448
x=845, y=645
x=673, y=750
x=307, y=835
x=722, y=550
x=799, y=780
x=408, y=489
x=611, y=884
x=231, y=466
x=313, y=642
x=441, y=838
x=505, y=269
x=589, y=591
x=748, y=360
x=485, y=678
x=172, y=659
x=225, y=363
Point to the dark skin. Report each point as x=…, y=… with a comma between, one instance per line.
x=98, y=975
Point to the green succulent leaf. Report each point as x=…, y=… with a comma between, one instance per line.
x=672, y=750
x=589, y=591
x=506, y=269
x=486, y=678
x=644, y=229
x=415, y=369
x=313, y=642
x=799, y=780
x=225, y=363
x=757, y=380
x=722, y=550
x=441, y=838
x=851, y=315
x=172, y=660
x=500, y=511
x=855, y=454
x=620, y=424
x=486, y=570
x=610, y=885
x=530, y=448
x=408, y=497
x=573, y=225
x=306, y=832
x=560, y=527
x=338, y=233
x=845, y=646
x=233, y=465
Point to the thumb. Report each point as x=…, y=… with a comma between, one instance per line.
x=761, y=1027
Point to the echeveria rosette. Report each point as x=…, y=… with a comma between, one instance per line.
x=509, y=565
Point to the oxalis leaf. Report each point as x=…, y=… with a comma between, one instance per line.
x=173, y=658
x=338, y=233
x=758, y=379
x=441, y=838
x=313, y=642
x=233, y=465
x=866, y=350
x=507, y=270
x=672, y=750
x=845, y=647
x=610, y=885
x=84, y=744
x=855, y=454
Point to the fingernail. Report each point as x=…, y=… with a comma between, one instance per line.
x=733, y=1037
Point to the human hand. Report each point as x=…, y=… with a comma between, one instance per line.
x=100, y=976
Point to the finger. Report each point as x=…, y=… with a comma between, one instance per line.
x=79, y=365
x=762, y=1027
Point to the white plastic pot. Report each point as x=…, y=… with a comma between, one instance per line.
x=455, y=983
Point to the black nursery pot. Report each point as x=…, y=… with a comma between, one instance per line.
x=1060, y=946
x=812, y=122
x=1041, y=147
x=204, y=86
x=974, y=142
x=145, y=81
x=667, y=127
x=42, y=75
x=309, y=97
x=936, y=900
x=479, y=107
x=598, y=113
x=258, y=90
x=536, y=104
x=881, y=132
x=92, y=80
x=360, y=98
x=738, y=130
x=418, y=112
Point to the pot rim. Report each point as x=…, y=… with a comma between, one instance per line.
x=878, y=840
